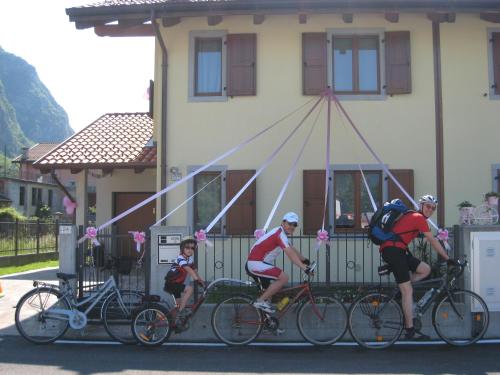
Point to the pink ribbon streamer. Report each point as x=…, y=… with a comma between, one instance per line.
x=91, y=234
x=139, y=238
x=69, y=205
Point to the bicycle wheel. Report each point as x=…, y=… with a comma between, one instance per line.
x=375, y=320
x=34, y=319
x=235, y=321
x=461, y=317
x=323, y=322
x=117, y=315
x=151, y=325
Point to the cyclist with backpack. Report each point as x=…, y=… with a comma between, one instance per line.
x=405, y=267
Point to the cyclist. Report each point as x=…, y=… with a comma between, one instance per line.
x=264, y=252
x=179, y=278
x=405, y=267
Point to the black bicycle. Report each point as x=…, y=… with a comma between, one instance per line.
x=460, y=317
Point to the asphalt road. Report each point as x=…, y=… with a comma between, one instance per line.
x=19, y=357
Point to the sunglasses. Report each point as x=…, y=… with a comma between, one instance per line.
x=430, y=207
x=292, y=224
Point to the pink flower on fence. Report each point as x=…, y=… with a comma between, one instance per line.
x=322, y=238
x=91, y=234
x=139, y=238
x=259, y=233
x=69, y=205
x=442, y=235
x=201, y=236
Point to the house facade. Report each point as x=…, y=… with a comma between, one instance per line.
x=417, y=78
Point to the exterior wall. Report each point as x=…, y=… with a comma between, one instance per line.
x=120, y=181
x=198, y=132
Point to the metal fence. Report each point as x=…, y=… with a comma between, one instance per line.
x=28, y=237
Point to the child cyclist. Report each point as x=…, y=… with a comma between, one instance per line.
x=179, y=280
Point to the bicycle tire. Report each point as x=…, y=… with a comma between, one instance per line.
x=151, y=325
x=375, y=320
x=117, y=317
x=235, y=321
x=323, y=322
x=29, y=316
x=469, y=325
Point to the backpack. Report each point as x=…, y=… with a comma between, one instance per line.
x=176, y=275
x=383, y=220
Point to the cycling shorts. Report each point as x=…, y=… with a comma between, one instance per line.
x=401, y=263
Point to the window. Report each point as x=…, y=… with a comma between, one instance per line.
x=356, y=64
x=49, y=199
x=221, y=65
x=208, y=203
x=36, y=196
x=353, y=209
x=494, y=63
x=22, y=194
x=360, y=64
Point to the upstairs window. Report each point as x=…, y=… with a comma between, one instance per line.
x=494, y=62
x=208, y=66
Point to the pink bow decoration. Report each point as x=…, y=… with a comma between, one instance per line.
x=91, y=234
x=201, y=236
x=322, y=238
x=259, y=233
x=443, y=235
x=139, y=238
x=69, y=205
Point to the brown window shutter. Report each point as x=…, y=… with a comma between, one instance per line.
x=313, y=200
x=405, y=178
x=241, y=64
x=314, y=77
x=241, y=217
x=397, y=62
x=496, y=61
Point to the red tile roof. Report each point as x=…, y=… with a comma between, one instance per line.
x=35, y=152
x=115, y=140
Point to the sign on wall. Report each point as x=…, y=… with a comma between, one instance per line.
x=168, y=247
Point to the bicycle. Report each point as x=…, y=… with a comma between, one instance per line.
x=44, y=314
x=459, y=317
x=321, y=320
x=154, y=321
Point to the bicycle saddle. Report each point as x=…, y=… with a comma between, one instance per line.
x=65, y=276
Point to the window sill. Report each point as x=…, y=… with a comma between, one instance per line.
x=361, y=96
x=207, y=99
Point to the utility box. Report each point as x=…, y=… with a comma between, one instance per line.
x=165, y=243
x=485, y=266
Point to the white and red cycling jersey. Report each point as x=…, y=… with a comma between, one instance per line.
x=269, y=246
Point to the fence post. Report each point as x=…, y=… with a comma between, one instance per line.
x=57, y=235
x=16, y=238
x=38, y=236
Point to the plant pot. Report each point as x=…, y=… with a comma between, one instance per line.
x=492, y=201
x=466, y=215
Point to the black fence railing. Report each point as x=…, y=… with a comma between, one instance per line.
x=28, y=237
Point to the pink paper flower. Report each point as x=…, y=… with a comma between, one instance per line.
x=442, y=235
x=69, y=205
x=259, y=233
x=201, y=236
x=91, y=234
x=139, y=238
x=322, y=238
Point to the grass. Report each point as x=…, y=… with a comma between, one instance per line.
x=28, y=267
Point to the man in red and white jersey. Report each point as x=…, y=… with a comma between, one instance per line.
x=263, y=254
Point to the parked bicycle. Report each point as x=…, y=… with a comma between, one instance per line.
x=44, y=314
x=155, y=320
x=321, y=319
x=460, y=317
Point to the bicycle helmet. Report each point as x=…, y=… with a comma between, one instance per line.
x=428, y=199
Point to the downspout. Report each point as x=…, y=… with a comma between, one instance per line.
x=163, y=132
x=438, y=102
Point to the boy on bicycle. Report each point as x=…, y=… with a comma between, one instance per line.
x=263, y=254
x=179, y=280
x=405, y=267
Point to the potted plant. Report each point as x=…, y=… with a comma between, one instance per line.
x=492, y=198
x=465, y=208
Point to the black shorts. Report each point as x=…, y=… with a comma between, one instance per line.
x=175, y=289
x=401, y=262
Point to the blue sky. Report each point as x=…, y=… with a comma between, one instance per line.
x=88, y=75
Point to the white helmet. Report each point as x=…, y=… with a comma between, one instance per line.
x=428, y=199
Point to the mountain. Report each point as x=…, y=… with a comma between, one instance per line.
x=28, y=112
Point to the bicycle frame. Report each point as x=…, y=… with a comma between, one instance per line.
x=304, y=291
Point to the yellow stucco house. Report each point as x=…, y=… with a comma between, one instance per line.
x=418, y=78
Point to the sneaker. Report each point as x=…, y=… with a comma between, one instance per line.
x=275, y=332
x=413, y=334
x=264, y=306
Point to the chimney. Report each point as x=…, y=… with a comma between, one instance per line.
x=25, y=153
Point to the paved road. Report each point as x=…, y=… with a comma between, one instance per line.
x=19, y=357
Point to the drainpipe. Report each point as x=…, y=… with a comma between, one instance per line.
x=438, y=102
x=163, y=132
